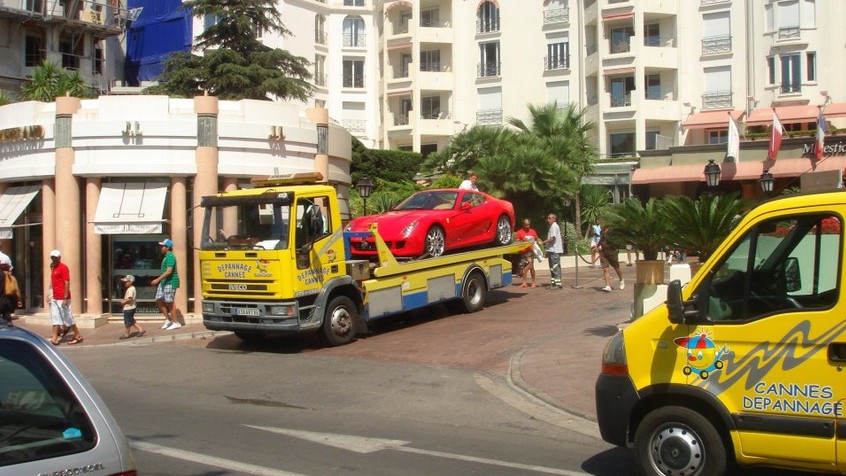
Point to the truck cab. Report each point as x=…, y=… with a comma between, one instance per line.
x=745, y=364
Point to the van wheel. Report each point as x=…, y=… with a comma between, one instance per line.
x=473, y=293
x=676, y=440
x=339, y=321
x=503, y=231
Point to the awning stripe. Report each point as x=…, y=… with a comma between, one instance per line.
x=786, y=115
x=12, y=203
x=710, y=119
x=613, y=71
x=130, y=208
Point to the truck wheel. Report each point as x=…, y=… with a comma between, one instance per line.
x=433, y=245
x=503, y=231
x=250, y=336
x=676, y=440
x=339, y=321
x=473, y=293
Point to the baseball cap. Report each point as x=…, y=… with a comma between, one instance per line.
x=55, y=254
x=129, y=278
x=4, y=259
x=166, y=242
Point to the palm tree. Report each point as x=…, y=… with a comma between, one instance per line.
x=50, y=81
x=641, y=225
x=595, y=200
x=467, y=148
x=7, y=97
x=564, y=132
x=701, y=225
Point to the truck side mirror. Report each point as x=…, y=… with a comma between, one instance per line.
x=675, y=305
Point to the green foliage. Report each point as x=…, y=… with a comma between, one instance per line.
x=642, y=225
x=50, y=81
x=446, y=181
x=468, y=148
x=701, y=225
x=235, y=64
x=595, y=202
x=385, y=195
x=387, y=165
x=7, y=97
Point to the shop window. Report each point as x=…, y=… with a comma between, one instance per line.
x=718, y=136
x=141, y=257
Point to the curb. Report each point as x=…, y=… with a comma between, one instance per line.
x=158, y=339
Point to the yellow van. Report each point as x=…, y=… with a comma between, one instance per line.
x=747, y=363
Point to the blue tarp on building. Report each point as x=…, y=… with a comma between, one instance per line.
x=161, y=29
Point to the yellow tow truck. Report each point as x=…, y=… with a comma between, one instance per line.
x=274, y=260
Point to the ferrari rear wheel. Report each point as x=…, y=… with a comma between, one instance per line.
x=433, y=246
x=503, y=230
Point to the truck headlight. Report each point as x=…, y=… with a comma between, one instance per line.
x=614, y=356
x=280, y=310
x=208, y=307
x=409, y=228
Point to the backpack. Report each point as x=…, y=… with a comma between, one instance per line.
x=10, y=284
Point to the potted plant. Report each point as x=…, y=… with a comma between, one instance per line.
x=645, y=227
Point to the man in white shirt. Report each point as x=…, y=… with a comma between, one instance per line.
x=554, y=250
x=470, y=182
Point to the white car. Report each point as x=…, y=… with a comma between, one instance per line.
x=52, y=422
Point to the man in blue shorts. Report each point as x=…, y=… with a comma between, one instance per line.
x=167, y=283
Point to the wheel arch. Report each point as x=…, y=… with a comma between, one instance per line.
x=340, y=286
x=694, y=398
x=472, y=269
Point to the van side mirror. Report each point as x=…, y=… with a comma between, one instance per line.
x=675, y=305
x=792, y=276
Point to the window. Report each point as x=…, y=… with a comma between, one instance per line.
x=405, y=19
x=771, y=74
x=716, y=33
x=474, y=199
x=405, y=65
x=651, y=140
x=210, y=20
x=405, y=110
x=623, y=144
x=41, y=417
x=320, y=29
x=791, y=74
x=781, y=265
x=621, y=91
x=653, y=87
x=557, y=56
x=558, y=93
x=430, y=60
x=354, y=31
x=426, y=149
x=97, y=59
x=788, y=20
x=811, y=65
x=652, y=34
x=487, y=18
x=489, y=65
x=718, y=136
x=429, y=18
x=353, y=3
x=620, y=39
x=353, y=73
x=430, y=107
x=35, y=6
x=717, y=87
x=71, y=50
x=34, y=50
x=314, y=223
x=320, y=70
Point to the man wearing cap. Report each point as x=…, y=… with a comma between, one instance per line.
x=60, y=300
x=168, y=283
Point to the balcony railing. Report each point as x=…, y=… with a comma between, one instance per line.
x=621, y=47
x=788, y=88
x=556, y=15
x=487, y=26
x=706, y=3
x=354, y=39
x=401, y=120
x=354, y=81
x=489, y=70
x=319, y=79
x=590, y=49
x=489, y=116
x=621, y=100
x=789, y=33
x=716, y=100
x=716, y=45
x=554, y=63
x=592, y=100
x=320, y=37
x=434, y=115
x=432, y=67
x=354, y=125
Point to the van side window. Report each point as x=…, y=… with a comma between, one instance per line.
x=781, y=265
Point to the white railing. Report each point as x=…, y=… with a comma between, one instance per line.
x=489, y=116
x=716, y=45
x=556, y=15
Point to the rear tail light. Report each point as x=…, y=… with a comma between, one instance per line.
x=614, y=356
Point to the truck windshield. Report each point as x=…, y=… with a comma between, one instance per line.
x=246, y=225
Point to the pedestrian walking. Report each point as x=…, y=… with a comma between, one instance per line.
x=10, y=296
x=595, y=233
x=166, y=285
x=470, y=182
x=129, y=306
x=609, y=258
x=61, y=315
x=554, y=248
x=527, y=262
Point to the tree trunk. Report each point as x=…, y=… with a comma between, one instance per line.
x=577, y=220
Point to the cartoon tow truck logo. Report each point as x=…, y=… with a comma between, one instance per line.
x=702, y=355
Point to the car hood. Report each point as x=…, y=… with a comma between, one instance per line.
x=390, y=223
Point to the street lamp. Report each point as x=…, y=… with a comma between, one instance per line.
x=712, y=174
x=766, y=181
x=365, y=187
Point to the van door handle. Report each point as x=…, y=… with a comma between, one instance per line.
x=837, y=351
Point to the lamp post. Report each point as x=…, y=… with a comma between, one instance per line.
x=365, y=187
x=766, y=182
x=712, y=174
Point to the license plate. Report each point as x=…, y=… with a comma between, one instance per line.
x=246, y=311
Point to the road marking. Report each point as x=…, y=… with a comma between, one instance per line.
x=361, y=444
x=209, y=460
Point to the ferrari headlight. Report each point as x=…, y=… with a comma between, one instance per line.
x=409, y=228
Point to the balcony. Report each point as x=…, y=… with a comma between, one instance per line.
x=556, y=63
x=620, y=47
x=621, y=100
x=716, y=45
x=489, y=116
x=487, y=26
x=716, y=100
x=105, y=19
x=556, y=15
x=354, y=40
x=320, y=37
x=489, y=70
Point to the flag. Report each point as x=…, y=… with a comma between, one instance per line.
x=775, y=138
x=819, y=147
x=733, y=140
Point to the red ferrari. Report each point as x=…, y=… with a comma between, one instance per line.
x=434, y=222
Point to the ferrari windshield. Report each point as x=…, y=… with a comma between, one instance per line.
x=433, y=200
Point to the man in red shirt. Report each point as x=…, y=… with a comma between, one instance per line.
x=527, y=264
x=60, y=300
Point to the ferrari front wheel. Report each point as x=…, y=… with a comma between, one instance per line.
x=434, y=244
x=503, y=231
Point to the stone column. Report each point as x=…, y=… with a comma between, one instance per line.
x=230, y=214
x=48, y=231
x=93, y=251
x=179, y=235
x=320, y=117
x=68, y=216
x=205, y=182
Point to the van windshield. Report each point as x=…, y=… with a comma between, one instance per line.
x=246, y=225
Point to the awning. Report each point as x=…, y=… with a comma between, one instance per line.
x=612, y=16
x=737, y=171
x=618, y=71
x=12, y=203
x=669, y=173
x=786, y=115
x=836, y=109
x=130, y=208
x=709, y=119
